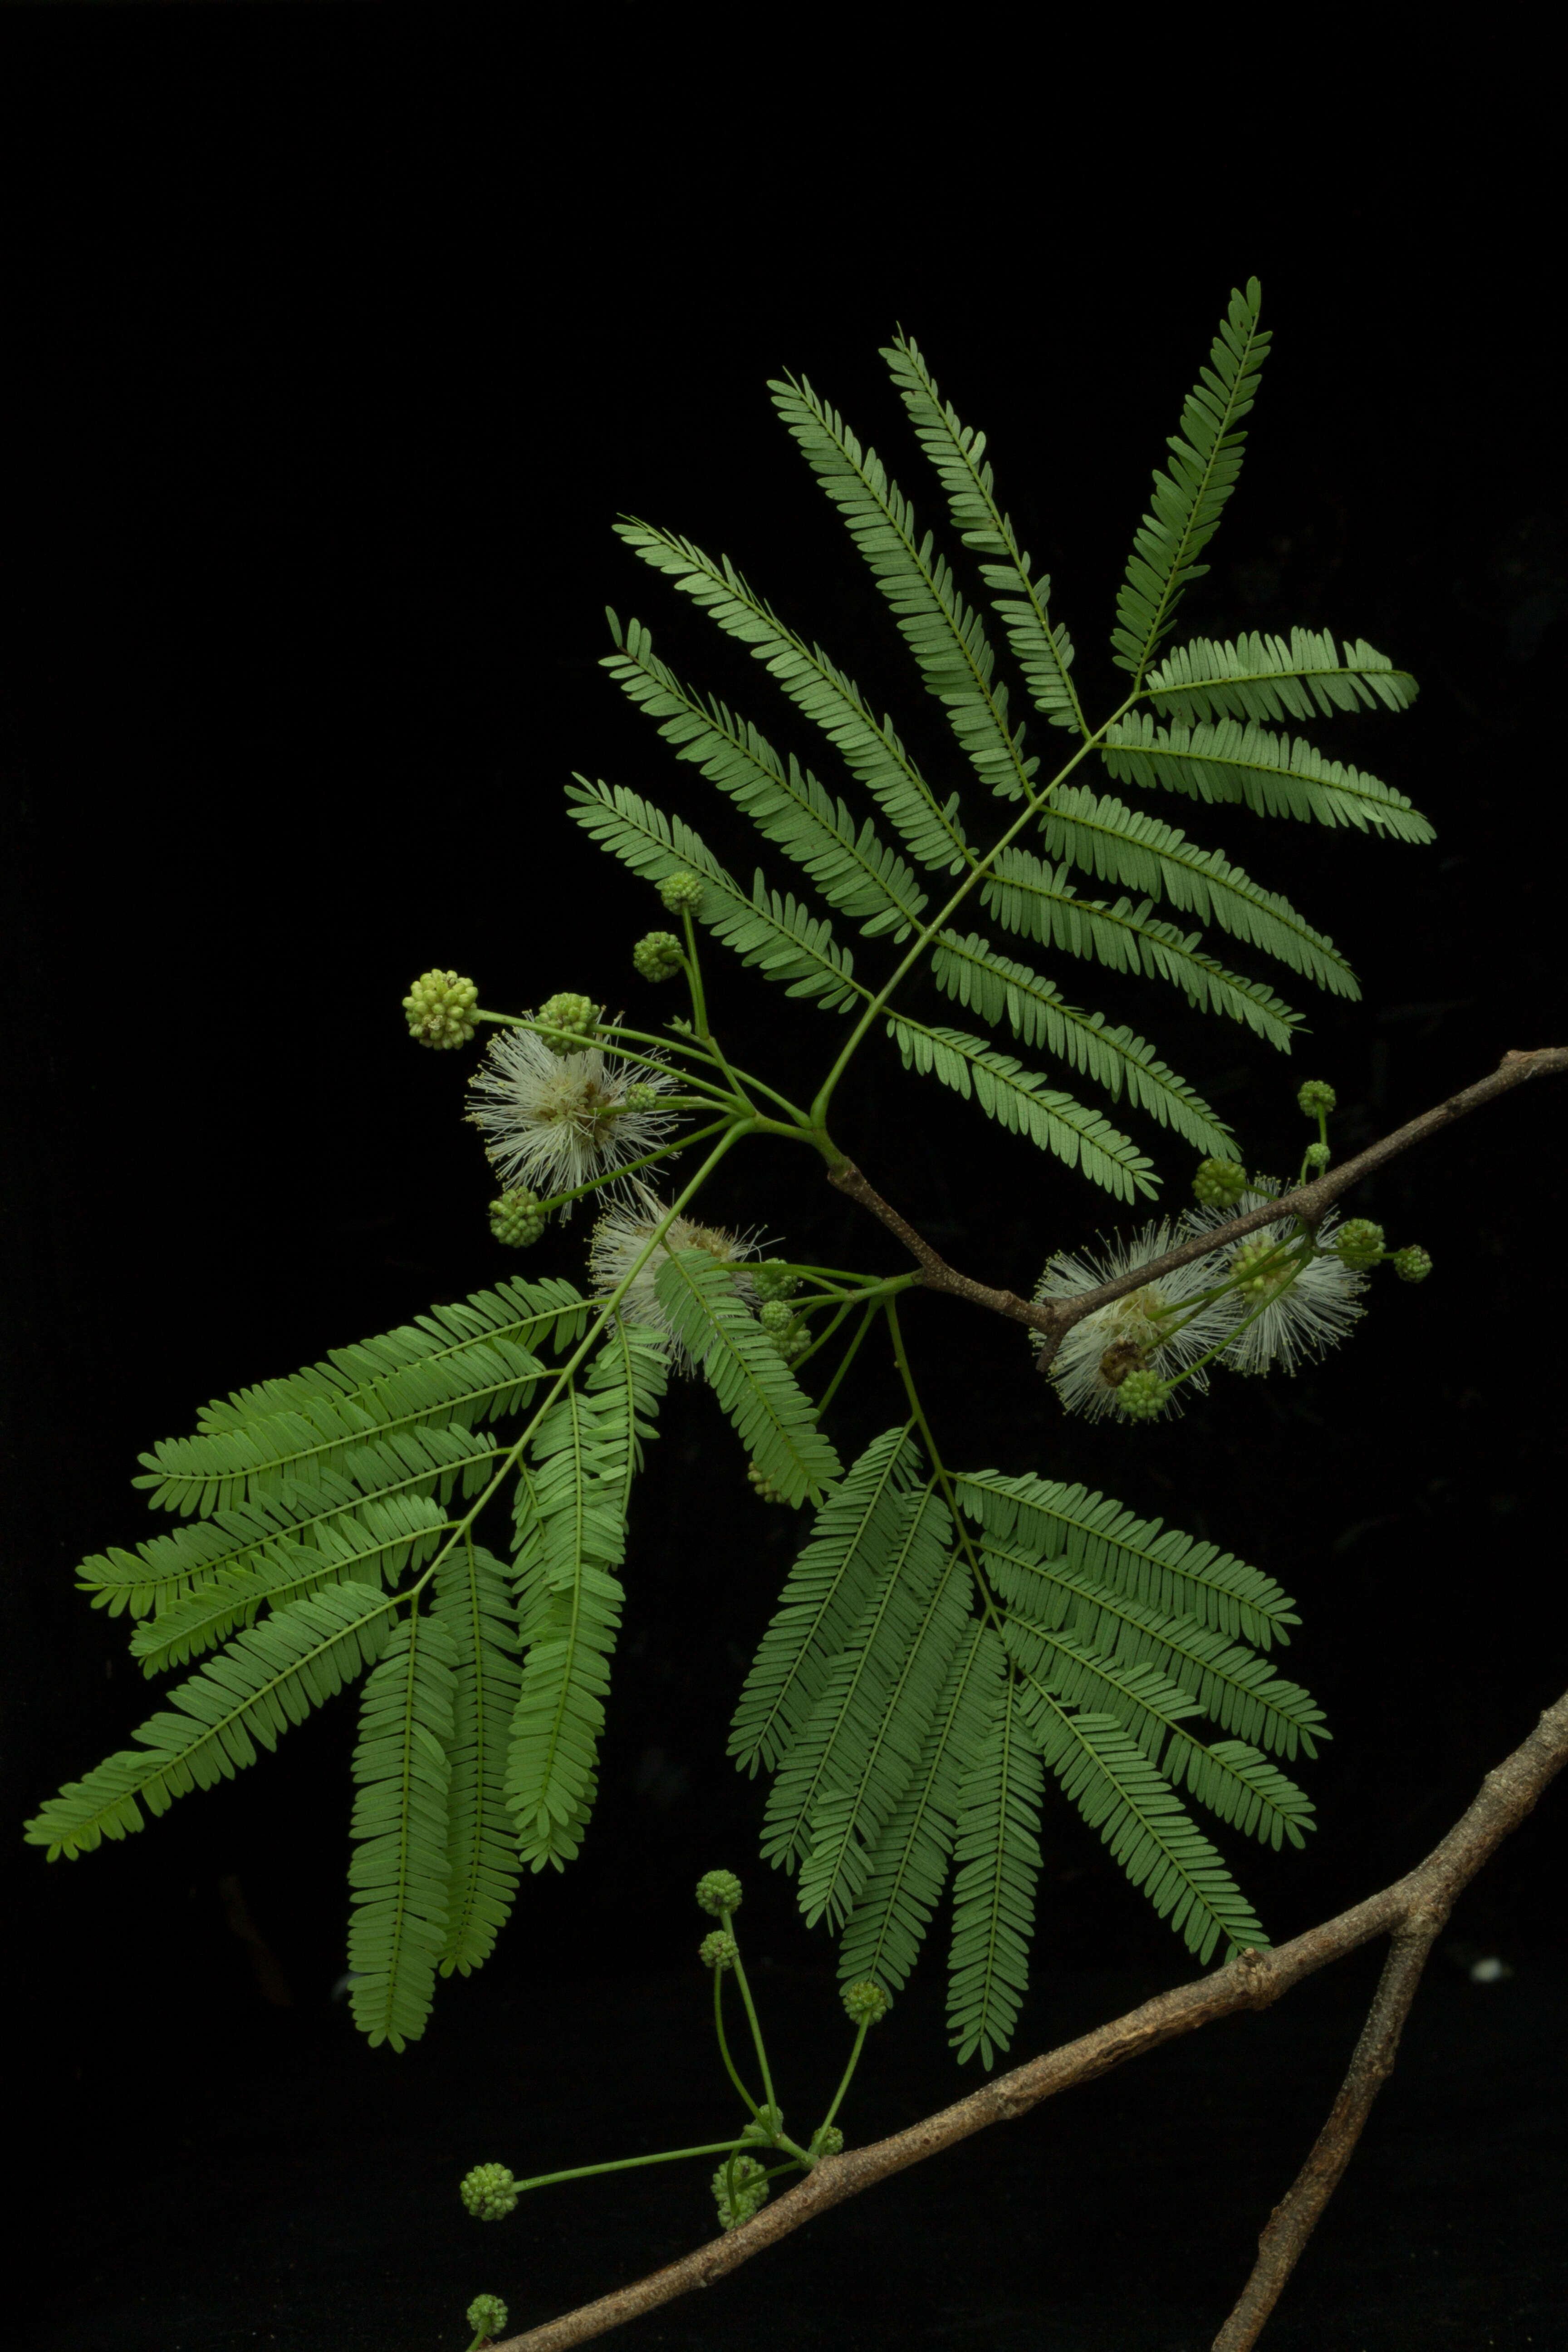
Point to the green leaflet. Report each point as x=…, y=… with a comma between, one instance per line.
x=1157, y=1565
x=367, y=1541
x=1259, y=677
x=246, y=1544
x=774, y=1417
x=401, y=1868
x=781, y=938
x=1103, y=837
x=852, y=1540
x=473, y=1605
x=1021, y=1102
x=997, y=1852
x=878, y=1728
x=851, y=1756
x=1230, y=759
x=946, y=635
x=874, y=755
x=1028, y=896
x=571, y=1535
x=1189, y=499
x=998, y=989
x=1150, y=1707
x=910, y=1865
x=264, y=1680
x=854, y=869
x=1042, y=648
x=1226, y=1680
x=1152, y=1837
x=570, y=1519
x=462, y=1363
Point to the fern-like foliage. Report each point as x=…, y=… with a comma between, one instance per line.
x=400, y=1871
x=948, y=1648
x=907, y=1736
x=1190, y=497
x=1198, y=733
x=571, y=1527
x=772, y=1416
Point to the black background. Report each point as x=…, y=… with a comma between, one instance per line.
x=337, y=340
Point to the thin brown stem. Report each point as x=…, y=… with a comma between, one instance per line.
x=1411, y=1911
x=1295, y=2218
x=1055, y=1318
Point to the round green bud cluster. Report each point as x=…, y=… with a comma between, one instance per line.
x=1219, y=1182
x=719, y=1950
x=487, y=2315
x=717, y=1891
x=1142, y=1395
x=1261, y=1266
x=659, y=956
x=739, y=2203
x=772, y=1279
x=826, y=2140
x=440, y=1008
x=1358, y=1241
x=681, y=889
x=776, y=1317
x=865, y=2002
x=1317, y=1098
x=764, y=2127
x=764, y=1486
x=489, y=2191
x=1411, y=1264
x=519, y=1218
x=565, y=1020
x=640, y=1098
x=1316, y=1155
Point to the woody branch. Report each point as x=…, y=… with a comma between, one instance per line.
x=1055, y=1318
x=1411, y=1911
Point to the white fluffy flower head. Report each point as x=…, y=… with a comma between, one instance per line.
x=1157, y=1328
x=554, y=1120
x=1300, y=1319
x=619, y=1239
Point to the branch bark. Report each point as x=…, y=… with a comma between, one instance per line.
x=1412, y=1912
x=1054, y=1319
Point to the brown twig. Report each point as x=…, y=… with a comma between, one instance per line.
x=1055, y=1318
x=1412, y=1910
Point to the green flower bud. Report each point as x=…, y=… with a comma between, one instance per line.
x=1358, y=1241
x=641, y=1098
x=439, y=1006
x=1316, y=1155
x=1261, y=1266
x=519, y=1218
x=489, y=2191
x=1411, y=1264
x=681, y=889
x=659, y=956
x=1142, y=1395
x=772, y=1279
x=764, y=1486
x=826, y=2140
x=1219, y=1182
x=865, y=2002
x=764, y=2127
x=487, y=2315
x=566, y=1021
x=776, y=1315
x=719, y=1950
x=1316, y=1098
x=738, y=2202
x=718, y=1891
